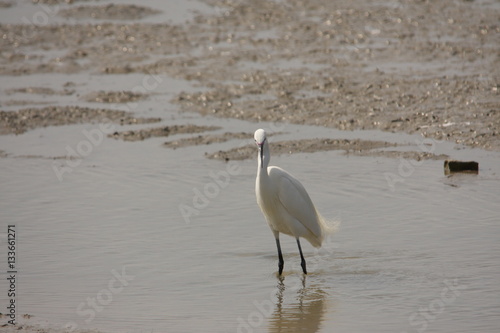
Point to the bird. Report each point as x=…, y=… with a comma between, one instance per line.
x=286, y=205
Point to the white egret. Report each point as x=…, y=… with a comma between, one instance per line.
x=285, y=204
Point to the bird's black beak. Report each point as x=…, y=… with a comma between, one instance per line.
x=261, y=151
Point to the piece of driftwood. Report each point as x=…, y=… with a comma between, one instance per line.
x=451, y=167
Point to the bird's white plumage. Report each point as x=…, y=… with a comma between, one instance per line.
x=284, y=201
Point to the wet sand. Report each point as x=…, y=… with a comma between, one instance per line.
x=415, y=67
x=303, y=146
x=23, y=120
x=143, y=134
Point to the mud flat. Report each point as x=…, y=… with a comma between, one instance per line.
x=303, y=146
x=113, y=97
x=147, y=133
x=18, y=122
x=206, y=139
x=430, y=68
x=107, y=12
x=349, y=147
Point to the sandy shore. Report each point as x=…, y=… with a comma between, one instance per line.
x=430, y=68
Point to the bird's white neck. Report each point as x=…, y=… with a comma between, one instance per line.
x=263, y=158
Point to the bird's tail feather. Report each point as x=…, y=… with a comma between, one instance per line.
x=328, y=227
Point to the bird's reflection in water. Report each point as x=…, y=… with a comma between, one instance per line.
x=303, y=313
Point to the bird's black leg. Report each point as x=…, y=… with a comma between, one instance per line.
x=302, y=260
x=280, y=256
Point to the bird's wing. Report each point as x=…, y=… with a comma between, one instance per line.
x=294, y=198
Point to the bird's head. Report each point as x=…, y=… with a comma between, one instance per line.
x=260, y=139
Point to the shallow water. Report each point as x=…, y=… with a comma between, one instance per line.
x=105, y=245
x=387, y=268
